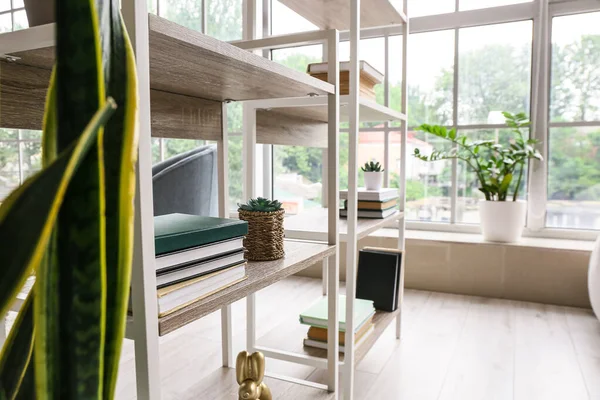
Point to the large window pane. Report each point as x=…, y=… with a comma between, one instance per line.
x=172, y=147
x=9, y=168
x=297, y=175
x=494, y=71
x=575, y=89
x=224, y=19
x=431, y=81
x=428, y=184
x=285, y=20
x=475, y=4
x=298, y=58
x=235, y=171
x=32, y=157
x=574, y=178
x=185, y=12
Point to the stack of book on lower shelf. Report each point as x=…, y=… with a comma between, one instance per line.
x=378, y=204
x=196, y=257
x=316, y=317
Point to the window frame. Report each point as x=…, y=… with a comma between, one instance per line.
x=541, y=15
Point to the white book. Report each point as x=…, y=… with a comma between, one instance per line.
x=323, y=68
x=196, y=254
x=383, y=194
x=179, y=295
x=374, y=214
x=180, y=273
x=323, y=345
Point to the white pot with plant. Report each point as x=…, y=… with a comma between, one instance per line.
x=373, y=175
x=496, y=166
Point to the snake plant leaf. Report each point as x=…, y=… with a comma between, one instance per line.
x=27, y=390
x=28, y=213
x=70, y=343
x=120, y=154
x=16, y=353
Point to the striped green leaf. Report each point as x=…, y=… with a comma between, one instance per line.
x=16, y=354
x=70, y=314
x=28, y=213
x=120, y=152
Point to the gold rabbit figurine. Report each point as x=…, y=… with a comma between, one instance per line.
x=250, y=371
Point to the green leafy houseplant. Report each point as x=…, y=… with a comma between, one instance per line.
x=261, y=204
x=72, y=223
x=496, y=165
x=264, y=240
x=372, y=167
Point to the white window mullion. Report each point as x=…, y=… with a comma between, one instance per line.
x=454, y=182
x=538, y=176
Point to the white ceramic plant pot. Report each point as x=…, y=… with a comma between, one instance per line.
x=502, y=221
x=594, y=279
x=373, y=180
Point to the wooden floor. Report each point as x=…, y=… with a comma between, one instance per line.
x=453, y=347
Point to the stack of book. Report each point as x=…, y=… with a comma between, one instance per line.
x=369, y=77
x=378, y=204
x=196, y=257
x=316, y=317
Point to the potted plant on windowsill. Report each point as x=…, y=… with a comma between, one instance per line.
x=373, y=175
x=264, y=241
x=497, y=166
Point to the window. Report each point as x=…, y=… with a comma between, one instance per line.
x=431, y=84
x=20, y=157
x=285, y=21
x=223, y=17
x=494, y=71
x=574, y=137
x=420, y=8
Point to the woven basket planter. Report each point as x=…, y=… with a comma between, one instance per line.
x=264, y=241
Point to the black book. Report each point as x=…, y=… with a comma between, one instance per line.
x=379, y=277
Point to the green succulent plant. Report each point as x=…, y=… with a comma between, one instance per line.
x=372, y=167
x=261, y=204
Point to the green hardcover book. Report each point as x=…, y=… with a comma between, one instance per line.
x=316, y=315
x=176, y=232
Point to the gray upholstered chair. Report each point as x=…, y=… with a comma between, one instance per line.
x=187, y=183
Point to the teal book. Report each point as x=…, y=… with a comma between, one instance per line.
x=316, y=315
x=176, y=232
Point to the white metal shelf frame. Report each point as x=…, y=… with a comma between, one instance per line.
x=353, y=103
x=331, y=264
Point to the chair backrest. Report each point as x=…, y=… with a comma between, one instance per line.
x=187, y=183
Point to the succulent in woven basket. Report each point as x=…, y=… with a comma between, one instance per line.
x=261, y=204
x=265, y=229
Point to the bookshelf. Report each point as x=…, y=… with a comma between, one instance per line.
x=302, y=122
x=185, y=79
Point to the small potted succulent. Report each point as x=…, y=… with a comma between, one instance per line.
x=373, y=175
x=264, y=241
x=497, y=167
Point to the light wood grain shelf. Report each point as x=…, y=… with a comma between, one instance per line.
x=303, y=121
x=188, y=67
x=328, y=14
x=312, y=225
x=298, y=256
x=290, y=336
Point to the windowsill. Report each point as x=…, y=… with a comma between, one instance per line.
x=471, y=238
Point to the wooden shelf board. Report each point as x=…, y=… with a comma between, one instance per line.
x=184, y=61
x=289, y=336
x=315, y=109
x=312, y=225
x=299, y=255
x=335, y=14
